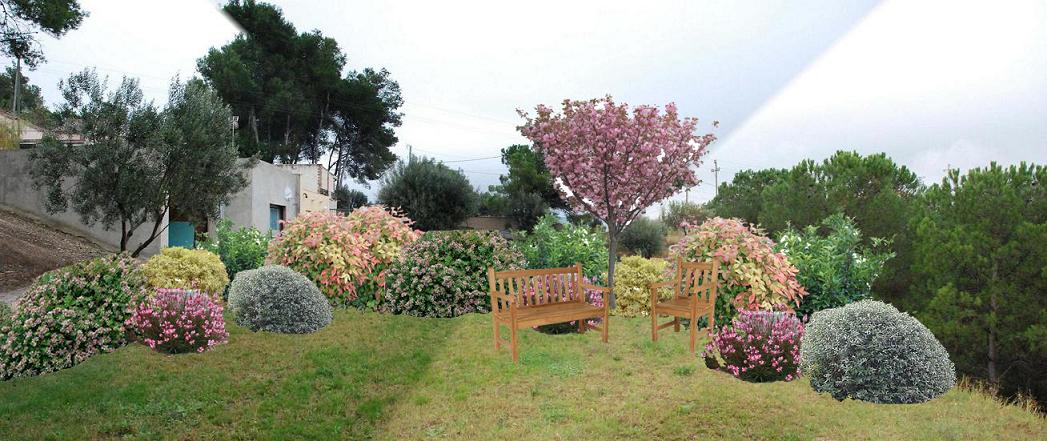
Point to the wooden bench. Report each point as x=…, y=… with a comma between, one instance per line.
x=694, y=296
x=528, y=298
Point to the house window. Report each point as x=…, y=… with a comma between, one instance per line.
x=276, y=214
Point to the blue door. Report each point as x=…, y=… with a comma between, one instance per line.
x=276, y=214
x=181, y=234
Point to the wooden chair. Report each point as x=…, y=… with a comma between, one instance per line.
x=528, y=298
x=694, y=295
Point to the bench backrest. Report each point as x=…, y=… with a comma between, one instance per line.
x=527, y=288
x=697, y=279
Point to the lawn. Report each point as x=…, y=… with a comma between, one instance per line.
x=396, y=377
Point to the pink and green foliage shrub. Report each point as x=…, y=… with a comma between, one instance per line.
x=343, y=255
x=176, y=321
x=444, y=273
x=389, y=232
x=752, y=275
x=758, y=346
x=70, y=314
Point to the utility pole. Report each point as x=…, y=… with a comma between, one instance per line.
x=18, y=80
x=716, y=178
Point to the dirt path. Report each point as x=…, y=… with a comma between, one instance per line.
x=29, y=248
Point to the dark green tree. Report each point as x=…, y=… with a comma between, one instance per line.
x=29, y=96
x=141, y=161
x=433, y=195
x=981, y=260
x=295, y=100
x=349, y=199
x=742, y=198
x=528, y=187
x=22, y=20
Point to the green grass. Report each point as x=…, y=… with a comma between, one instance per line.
x=394, y=377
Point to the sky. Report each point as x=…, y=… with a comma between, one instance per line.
x=931, y=83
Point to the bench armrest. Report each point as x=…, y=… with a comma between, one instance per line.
x=660, y=284
x=604, y=290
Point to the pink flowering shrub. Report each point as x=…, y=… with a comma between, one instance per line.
x=444, y=274
x=176, y=321
x=343, y=255
x=752, y=275
x=758, y=346
x=70, y=314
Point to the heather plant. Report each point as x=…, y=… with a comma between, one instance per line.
x=835, y=268
x=240, y=250
x=634, y=275
x=178, y=267
x=758, y=346
x=389, y=231
x=752, y=275
x=870, y=351
x=70, y=314
x=329, y=249
x=444, y=273
x=553, y=244
x=176, y=321
x=645, y=237
x=275, y=298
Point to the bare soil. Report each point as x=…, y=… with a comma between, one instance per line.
x=29, y=248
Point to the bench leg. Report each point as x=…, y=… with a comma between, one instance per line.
x=606, y=326
x=676, y=324
x=694, y=332
x=516, y=349
x=581, y=326
x=497, y=333
x=654, y=325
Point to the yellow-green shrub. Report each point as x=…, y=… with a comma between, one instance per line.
x=178, y=267
x=631, y=277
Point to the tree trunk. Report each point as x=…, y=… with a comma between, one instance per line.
x=612, y=257
x=124, y=236
x=993, y=343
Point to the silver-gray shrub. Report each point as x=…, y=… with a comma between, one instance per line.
x=277, y=299
x=870, y=351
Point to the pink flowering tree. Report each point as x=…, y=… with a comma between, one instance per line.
x=614, y=162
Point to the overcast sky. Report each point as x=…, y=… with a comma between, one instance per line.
x=931, y=83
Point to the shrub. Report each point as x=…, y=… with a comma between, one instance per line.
x=240, y=250
x=70, y=314
x=553, y=244
x=387, y=233
x=758, y=346
x=870, y=351
x=680, y=214
x=276, y=299
x=632, y=275
x=645, y=237
x=444, y=274
x=178, y=267
x=6, y=316
x=431, y=193
x=835, y=269
x=752, y=275
x=176, y=321
x=345, y=256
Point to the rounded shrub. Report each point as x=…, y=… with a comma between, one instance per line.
x=178, y=267
x=870, y=351
x=70, y=314
x=444, y=273
x=644, y=237
x=632, y=275
x=176, y=321
x=436, y=196
x=758, y=346
x=387, y=232
x=277, y=299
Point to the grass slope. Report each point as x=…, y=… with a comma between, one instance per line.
x=396, y=377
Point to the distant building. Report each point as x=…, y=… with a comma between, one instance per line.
x=30, y=135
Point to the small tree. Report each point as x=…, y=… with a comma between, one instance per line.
x=140, y=162
x=349, y=199
x=430, y=193
x=614, y=163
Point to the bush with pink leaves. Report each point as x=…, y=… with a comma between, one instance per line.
x=176, y=321
x=758, y=346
